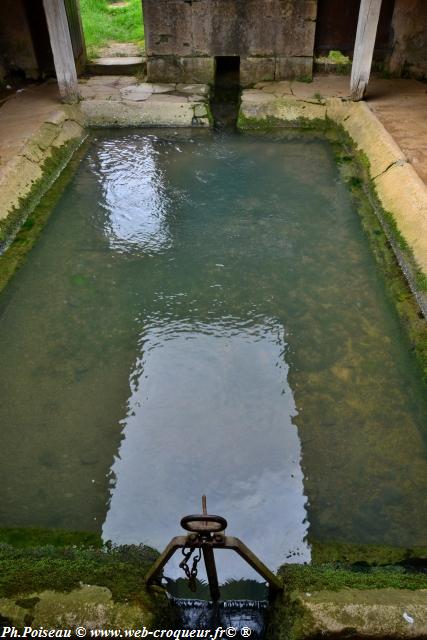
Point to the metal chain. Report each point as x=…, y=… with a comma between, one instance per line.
x=190, y=573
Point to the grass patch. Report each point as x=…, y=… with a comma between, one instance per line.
x=334, y=62
x=103, y=23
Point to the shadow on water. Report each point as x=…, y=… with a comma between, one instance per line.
x=225, y=99
x=243, y=605
x=241, y=615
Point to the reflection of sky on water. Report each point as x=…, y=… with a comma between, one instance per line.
x=210, y=258
x=211, y=412
x=134, y=196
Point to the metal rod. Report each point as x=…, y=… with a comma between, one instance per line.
x=209, y=559
x=176, y=543
x=228, y=542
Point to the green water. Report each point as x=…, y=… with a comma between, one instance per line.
x=202, y=314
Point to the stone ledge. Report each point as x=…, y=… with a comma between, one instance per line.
x=29, y=171
x=117, y=65
x=124, y=102
x=91, y=607
x=394, y=614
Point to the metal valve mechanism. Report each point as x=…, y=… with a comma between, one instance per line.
x=206, y=533
x=204, y=528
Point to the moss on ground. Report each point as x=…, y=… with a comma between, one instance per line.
x=50, y=169
x=21, y=537
x=289, y=619
x=30, y=574
x=367, y=554
x=271, y=123
x=334, y=577
x=122, y=570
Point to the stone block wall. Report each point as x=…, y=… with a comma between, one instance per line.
x=274, y=38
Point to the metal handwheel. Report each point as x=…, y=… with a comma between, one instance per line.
x=204, y=523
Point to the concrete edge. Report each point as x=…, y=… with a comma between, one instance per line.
x=26, y=178
x=394, y=614
x=144, y=104
x=88, y=606
x=399, y=188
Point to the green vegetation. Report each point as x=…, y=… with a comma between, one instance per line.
x=290, y=620
x=334, y=62
x=421, y=280
x=271, y=123
x=34, y=569
x=334, y=577
x=21, y=537
x=325, y=553
x=108, y=21
x=338, y=57
x=305, y=78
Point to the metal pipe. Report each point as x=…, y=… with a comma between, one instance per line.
x=209, y=558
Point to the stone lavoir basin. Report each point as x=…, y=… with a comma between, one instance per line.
x=202, y=314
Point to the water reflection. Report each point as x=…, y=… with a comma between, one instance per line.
x=134, y=195
x=197, y=424
x=186, y=295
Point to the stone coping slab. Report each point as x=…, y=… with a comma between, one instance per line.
x=117, y=61
x=125, y=102
x=38, y=135
x=91, y=607
x=392, y=614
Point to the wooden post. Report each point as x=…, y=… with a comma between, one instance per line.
x=367, y=25
x=62, y=49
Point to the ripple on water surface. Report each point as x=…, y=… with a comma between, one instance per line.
x=203, y=315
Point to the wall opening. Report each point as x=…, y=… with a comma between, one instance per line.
x=336, y=27
x=225, y=99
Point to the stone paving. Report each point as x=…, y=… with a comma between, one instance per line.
x=122, y=101
x=401, y=106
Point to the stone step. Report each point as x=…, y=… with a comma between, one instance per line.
x=117, y=66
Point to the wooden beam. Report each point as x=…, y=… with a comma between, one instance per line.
x=367, y=25
x=62, y=49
